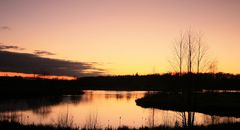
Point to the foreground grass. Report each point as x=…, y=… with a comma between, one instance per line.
x=6, y=125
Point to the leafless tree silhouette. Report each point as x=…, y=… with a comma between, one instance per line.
x=201, y=52
x=179, y=52
x=189, y=52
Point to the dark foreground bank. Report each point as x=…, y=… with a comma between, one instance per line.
x=5, y=125
x=221, y=104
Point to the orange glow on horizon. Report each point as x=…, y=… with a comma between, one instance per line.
x=12, y=74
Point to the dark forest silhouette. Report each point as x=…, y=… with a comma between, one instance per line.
x=164, y=82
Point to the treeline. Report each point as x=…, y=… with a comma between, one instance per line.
x=19, y=86
x=166, y=82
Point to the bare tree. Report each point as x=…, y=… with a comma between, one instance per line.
x=189, y=52
x=184, y=50
x=201, y=52
x=213, y=67
x=190, y=49
x=179, y=52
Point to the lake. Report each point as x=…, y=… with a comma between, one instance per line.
x=101, y=108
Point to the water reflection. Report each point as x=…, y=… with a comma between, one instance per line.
x=106, y=109
x=43, y=111
x=38, y=105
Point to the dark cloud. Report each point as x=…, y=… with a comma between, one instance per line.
x=41, y=52
x=31, y=63
x=5, y=28
x=9, y=47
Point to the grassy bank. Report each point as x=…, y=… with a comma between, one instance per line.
x=222, y=104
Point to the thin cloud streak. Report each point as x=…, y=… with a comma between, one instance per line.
x=5, y=28
x=42, y=52
x=10, y=47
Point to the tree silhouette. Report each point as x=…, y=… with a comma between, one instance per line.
x=189, y=52
x=179, y=52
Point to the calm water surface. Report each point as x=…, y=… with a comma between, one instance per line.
x=104, y=108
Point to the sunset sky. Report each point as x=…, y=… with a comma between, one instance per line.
x=117, y=36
